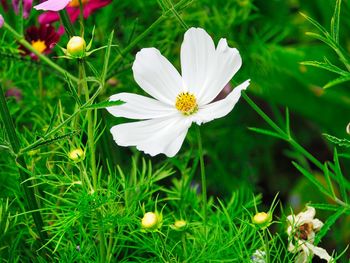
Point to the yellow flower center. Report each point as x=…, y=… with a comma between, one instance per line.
x=186, y=103
x=39, y=45
x=76, y=3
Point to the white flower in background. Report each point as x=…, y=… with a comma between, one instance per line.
x=301, y=233
x=259, y=256
x=177, y=100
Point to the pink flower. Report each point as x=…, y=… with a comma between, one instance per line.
x=52, y=5
x=1, y=21
x=72, y=7
x=27, y=6
x=42, y=38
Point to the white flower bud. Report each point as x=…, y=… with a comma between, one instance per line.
x=76, y=47
x=151, y=221
x=262, y=219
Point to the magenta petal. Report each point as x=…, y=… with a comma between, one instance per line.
x=1, y=21
x=52, y=5
x=48, y=17
x=15, y=4
x=92, y=5
x=27, y=6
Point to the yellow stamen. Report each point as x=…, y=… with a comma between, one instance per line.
x=186, y=103
x=75, y=3
x=39, y=45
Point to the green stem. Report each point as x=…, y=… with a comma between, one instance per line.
x=203, y=179
x=91, y=145
x=266, y=244
x=67, y=23
x=284, y=134
x=43, y=58
x=165, y=252
x=91, y=140
x=28, y=188
x=41, y=86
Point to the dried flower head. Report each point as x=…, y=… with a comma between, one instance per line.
x=301, y=231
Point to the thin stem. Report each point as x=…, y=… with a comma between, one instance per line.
x=284, y=134
x=91, y=140
x=91, y=145
x=266, y=244
x=43, y=58
x=67, y=23
x=203, y=178
x=165, y=251
x=41, y=86
x=28, y=188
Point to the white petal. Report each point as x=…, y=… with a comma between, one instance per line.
x=322, y=253
x=197, y=51
x=301, y=258
x=139, y=107
x=317, y=224
x=157, y=76
x=162, y=135
x=52, y=5
x=227, y=63
x=305, y=217
x=207, y=70
x=220, y=108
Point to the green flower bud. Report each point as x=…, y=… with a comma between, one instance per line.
x=76, y=155
x=262, y=219
x=76, y=47
x=179, y=225
x=151, y=221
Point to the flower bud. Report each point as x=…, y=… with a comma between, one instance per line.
x=348, y=129
x=179, y=225
x=76, y=47
x=262, y=219
x=151, y=221
x=76, y=155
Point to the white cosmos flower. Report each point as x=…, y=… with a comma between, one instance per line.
x=177, y=101
x=301, y=233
